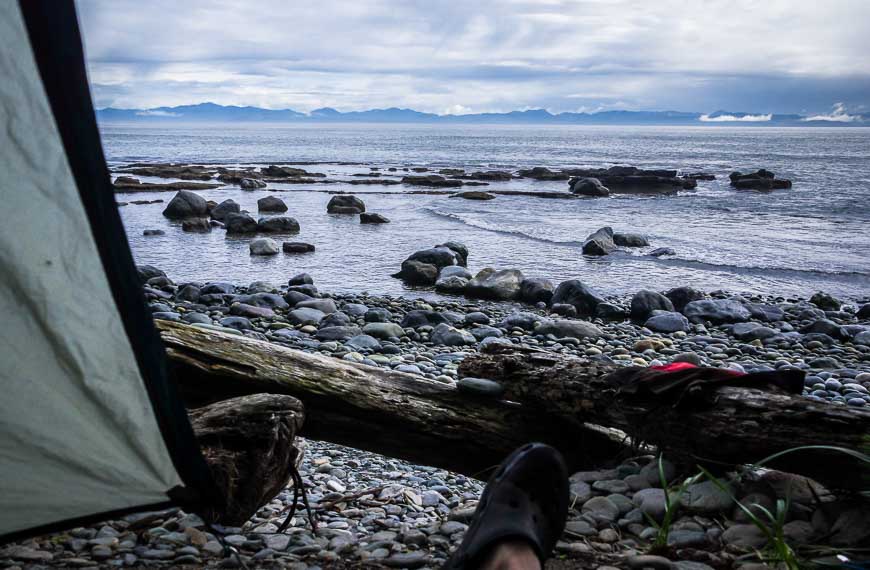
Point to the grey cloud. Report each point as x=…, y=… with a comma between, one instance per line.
x=486, y=55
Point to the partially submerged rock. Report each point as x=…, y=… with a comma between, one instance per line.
x=345, y=204
x=600, y=242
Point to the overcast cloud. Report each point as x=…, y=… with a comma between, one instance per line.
x=482, y=55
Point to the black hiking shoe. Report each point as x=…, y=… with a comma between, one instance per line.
x=526, y=499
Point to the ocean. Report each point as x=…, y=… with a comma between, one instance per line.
x=815, y=236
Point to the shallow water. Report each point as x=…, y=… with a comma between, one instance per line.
x=789, y=242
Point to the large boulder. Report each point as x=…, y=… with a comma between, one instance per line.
x=589, y=187
x=220, y=211
x=459, y=249
x=502, y=285
x=452, y=284
x=630, y=240
x=563, y=328
x=271, y=204
x=439, y=256
x=417, y=273
x=536, y=290
x=717, y=311
x=573, y=292
x=198, y=225
x=759, y=180
x=278, y=225
x=345, y=204
x=682, y=296
x=240, y=224
x=146, y=272
x=264, y=246
x=600, y=242
x=186, y=204
x=644, y=302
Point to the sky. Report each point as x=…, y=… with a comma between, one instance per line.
x=472, y=56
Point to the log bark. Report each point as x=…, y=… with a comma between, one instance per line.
x=742, y=426
x=555, y=400
x=248, y=443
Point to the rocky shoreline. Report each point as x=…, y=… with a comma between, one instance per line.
x=387, y=513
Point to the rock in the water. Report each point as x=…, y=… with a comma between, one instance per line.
x=759, y=180
x=186, y=204
x=716, y=311
x=264, y=246
x=251, y=183
x=271, y=204
x=220, y=211
x=240, y=224
x=459, y=249
x=629, y=240
x=417, y=273
x=345, y=204
x=372, y=218
x=543, y=173
x=432, y=180
x=446, y=335
x=197, y=225
x=589, y=187
x=278, y=225
x=453, y=284
x=662, y=251
x=600, y=242
x=566, y=328
x=500, y=285
x=667, y=322
x=297, y=247
x=439, y=256
x=475, y=195
x=536, y=290
x=153, y=232
x=644, y=302
x=583, y=298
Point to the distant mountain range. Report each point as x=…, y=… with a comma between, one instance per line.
x=211, y=112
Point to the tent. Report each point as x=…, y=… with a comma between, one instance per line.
x=90, y=426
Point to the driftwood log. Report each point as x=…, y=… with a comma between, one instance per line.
x=742, y=426
x=248, y=443
x=558, y=401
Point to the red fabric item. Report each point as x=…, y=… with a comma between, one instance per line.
x=679, y=366
x=674, y=366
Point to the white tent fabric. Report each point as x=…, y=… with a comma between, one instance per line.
x=78, y=434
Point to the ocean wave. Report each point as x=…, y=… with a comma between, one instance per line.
x=643, y=256
x=755, y=269
x=481, y=225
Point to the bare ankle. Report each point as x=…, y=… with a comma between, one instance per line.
x=512, y=555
